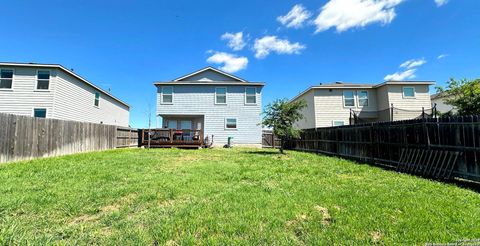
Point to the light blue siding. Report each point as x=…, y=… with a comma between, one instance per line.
x=200, y=100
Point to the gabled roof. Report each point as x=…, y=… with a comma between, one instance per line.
x=234, y=78
x=43, y=65
x=223, y=78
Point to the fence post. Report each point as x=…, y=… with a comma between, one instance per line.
x=391, y=112
x=423, y=112
x=350, y=121
x=435, y=109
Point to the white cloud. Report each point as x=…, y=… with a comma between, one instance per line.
x=231, y=63
x=441, y=2
x=413, y=63
x=264, y=46
x=296, y=17
x=410, y=67
x=346, y=14
x=407, y=74
x=442, y=56
x=235, y=40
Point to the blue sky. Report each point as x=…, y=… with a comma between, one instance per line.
x=127, y=45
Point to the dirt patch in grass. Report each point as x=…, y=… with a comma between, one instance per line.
x=376, y=236
x=326, y=218
x=105, y=210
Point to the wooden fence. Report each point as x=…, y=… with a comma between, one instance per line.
x=269, y=140
x=413, y=145
x=127, y=137
x=24, y=138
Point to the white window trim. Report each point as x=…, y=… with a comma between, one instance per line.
x=13, y=78
x=407, y=97
x=46, y=111
x=255, y=103
x=95, y=98
x=236, y=123
x=358, y=99
x=333, y=122
x=343, y=98
x=161, y=95
x=49, y=80
x=226, y=95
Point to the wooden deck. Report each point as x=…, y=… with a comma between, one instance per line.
x=167, y=138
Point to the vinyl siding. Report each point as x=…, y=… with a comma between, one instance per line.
x=23, y=97
x=422, y=99
x=383, y=103
x=308, y=112
x=200, y=100
x=74, y=100
x=329, y=106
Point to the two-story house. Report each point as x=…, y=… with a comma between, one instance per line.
x=338, y=103
x=214, y=102
x=52, y=91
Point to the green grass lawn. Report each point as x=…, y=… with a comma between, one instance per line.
x=219, y=196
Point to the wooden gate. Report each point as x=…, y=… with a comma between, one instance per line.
x=269, y=140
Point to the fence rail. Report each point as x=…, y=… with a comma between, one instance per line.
x=24, y=137
x=382, y=143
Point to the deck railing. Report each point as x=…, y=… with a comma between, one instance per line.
x=165, y=137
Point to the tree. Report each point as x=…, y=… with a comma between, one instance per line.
x=281, y=115
x=464, y=95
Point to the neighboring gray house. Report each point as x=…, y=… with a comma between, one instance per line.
x=52, y=91
x=333, y=104
x=215, y=102
x=438, y=100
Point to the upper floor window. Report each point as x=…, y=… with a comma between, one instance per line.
x=40, y=112
x=348, y=98
x=43, y=80
x=6, y=78
x=97, y=99
x=363, y=98
x=167, y=94
x=250, y=95
x=408, y=92
x=220, y=95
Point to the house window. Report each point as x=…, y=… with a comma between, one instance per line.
x=363, y=98
x=408, y=92
x=338, y=123
x=97, y=99
x=6, y=78
x=40, y=113
x=220, y=95
x=43, y=80
x=231, y=123
x=186, y=125
x=167, y=94
x=250, y=95
x=348, y=99
x=172, y=124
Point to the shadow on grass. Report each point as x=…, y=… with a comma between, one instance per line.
x=263, y=152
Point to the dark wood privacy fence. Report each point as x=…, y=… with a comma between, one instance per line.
x=427, y=145
x=24, y=138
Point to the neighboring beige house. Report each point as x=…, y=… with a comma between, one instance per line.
x=335, y=104
x=52, y=91
x=438, y=100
